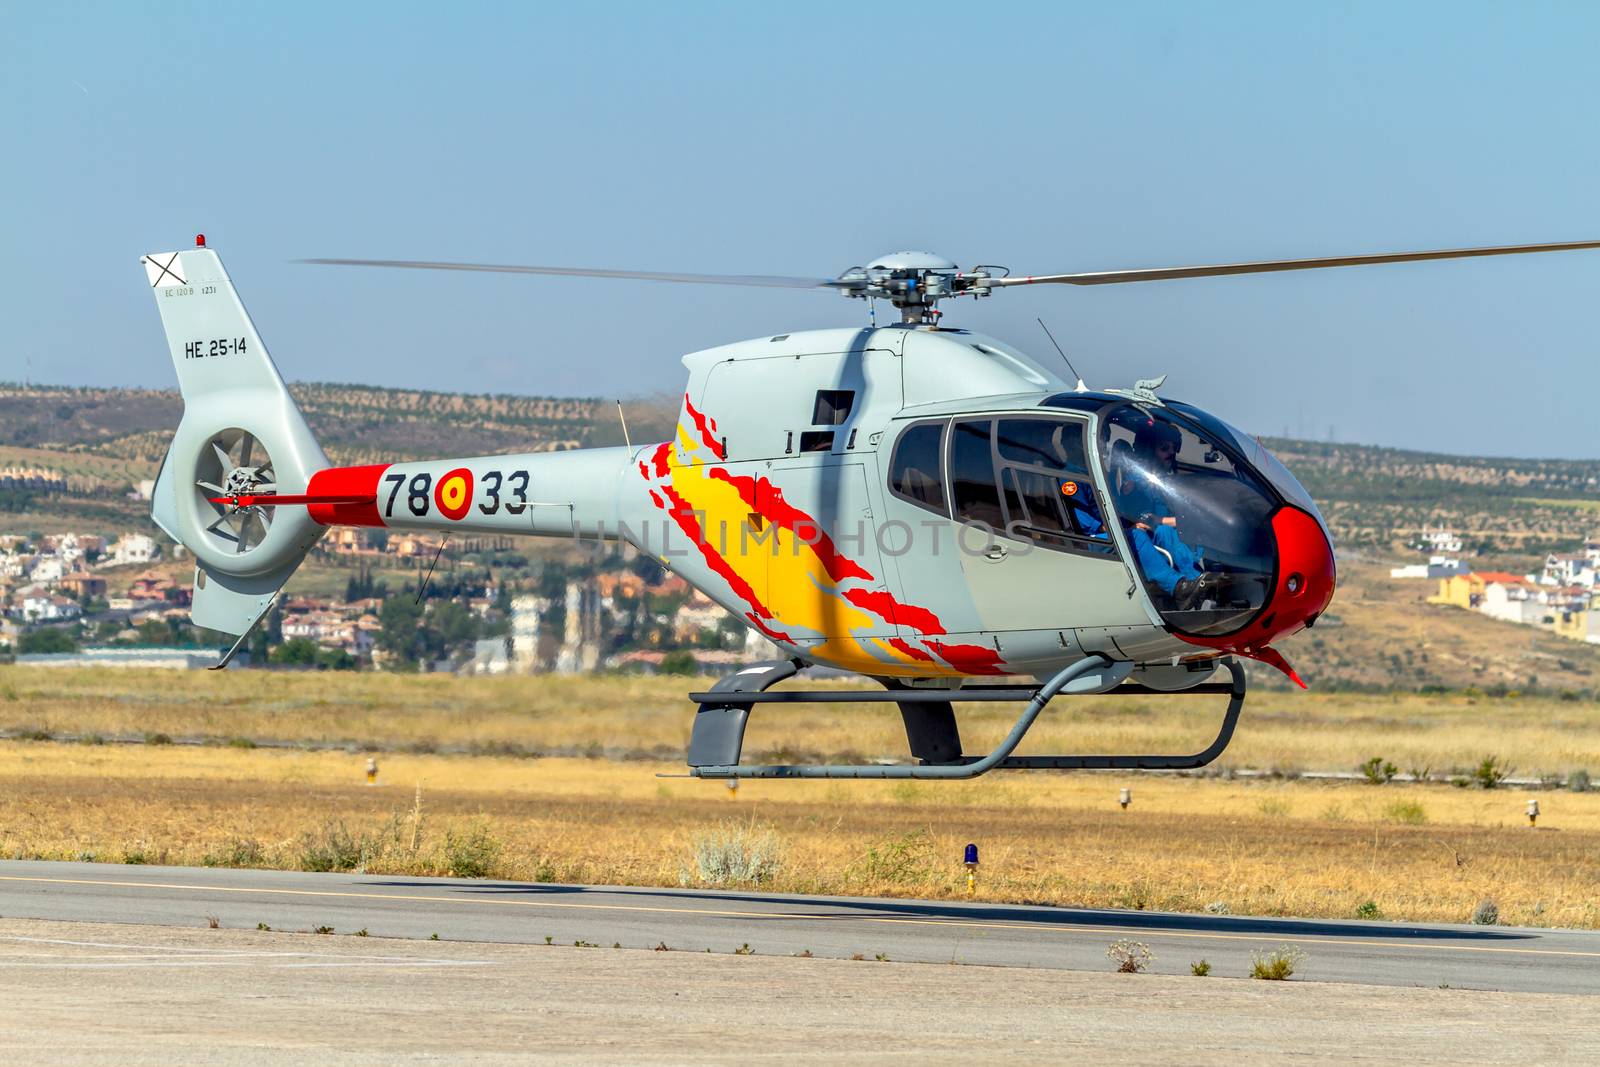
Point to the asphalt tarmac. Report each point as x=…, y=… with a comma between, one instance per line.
x=113, y=995
x=1511, y=959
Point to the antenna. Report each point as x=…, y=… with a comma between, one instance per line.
x=624, y=419
x=1081, y=387
x=423, y=586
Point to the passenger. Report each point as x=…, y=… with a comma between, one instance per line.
x=1078, y=492
x=1147, y=477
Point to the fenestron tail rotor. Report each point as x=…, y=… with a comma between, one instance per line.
x=235, y=477
x=915, y=282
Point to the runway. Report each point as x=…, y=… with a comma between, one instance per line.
x=763, y=924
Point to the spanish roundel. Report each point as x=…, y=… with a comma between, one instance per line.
x=453, y=493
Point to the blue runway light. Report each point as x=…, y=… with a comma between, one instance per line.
x=971, y=859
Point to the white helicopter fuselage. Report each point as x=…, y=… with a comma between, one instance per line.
x=775, y=499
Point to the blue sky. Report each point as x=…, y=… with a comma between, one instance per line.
x=803, y=140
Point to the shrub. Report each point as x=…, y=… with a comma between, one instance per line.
x=1199, y=968
x=1369, y=910
x=1378, y=771
x=1277, y=965
x=472, y=853
x=331, y=848
x=1487, y=913
x=1490, y=772
x=904, y=860
x=1409, y=812
x=1578, y=781
x=155, y=737
x=732, y=854
x=1131, y=957
x=242, y=852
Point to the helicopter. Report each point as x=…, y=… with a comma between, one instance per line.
x=928, y=508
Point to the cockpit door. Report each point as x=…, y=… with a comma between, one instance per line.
x=1036, y=551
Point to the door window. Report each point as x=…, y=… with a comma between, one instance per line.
x=1050, y=498
x=916, y=470
x=972, y=474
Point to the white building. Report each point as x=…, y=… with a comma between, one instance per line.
x=47, y=570
x=1436, y=567
x=39, y=605
x=1576, y=568
x=525, y=615
x=580, y=649
x=489, y=656
x=134, y=548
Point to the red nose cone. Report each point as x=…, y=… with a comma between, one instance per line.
x=1303, y=589
x=1305, y=579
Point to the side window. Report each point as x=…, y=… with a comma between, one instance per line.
x=1050, y=498
x=832, y=407
x=972, y=482
x=916, y=468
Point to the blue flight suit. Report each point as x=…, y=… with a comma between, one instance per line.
x=1153, y=547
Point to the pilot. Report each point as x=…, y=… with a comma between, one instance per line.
x=1148, y=471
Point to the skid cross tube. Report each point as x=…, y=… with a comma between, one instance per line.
x=968, y=767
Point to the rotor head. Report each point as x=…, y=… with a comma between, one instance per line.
x=915, y=282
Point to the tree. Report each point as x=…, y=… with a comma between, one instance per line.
x=648, y=568
x=335, y=659
x=154, y=632
x=296, y=652
x=266, y=635
x=679, y=663
x=400, y=635
x=46, y=641
x=455, y=624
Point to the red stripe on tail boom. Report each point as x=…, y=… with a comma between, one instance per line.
x=357, y=491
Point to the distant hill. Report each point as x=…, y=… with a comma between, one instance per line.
x=1374, y=498
x=355, y=423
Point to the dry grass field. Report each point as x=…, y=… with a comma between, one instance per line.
x=1269, y=847
x=644, y=717
x=598, y=813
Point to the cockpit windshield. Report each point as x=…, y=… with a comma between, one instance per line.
x=1257, y=455
x=1195, y=514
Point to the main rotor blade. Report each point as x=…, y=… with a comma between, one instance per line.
x=770, y=281
x=1156, y=274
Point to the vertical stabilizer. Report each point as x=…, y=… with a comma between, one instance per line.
x=241, y=433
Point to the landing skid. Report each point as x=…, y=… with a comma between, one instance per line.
x=718, y=738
